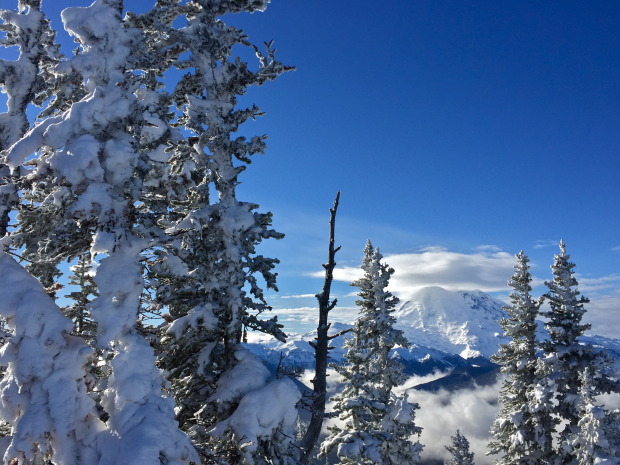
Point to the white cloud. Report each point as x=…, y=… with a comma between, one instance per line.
x=488, y=248
x=603, y=313
x=434, y=266
x=616, y=249
x=304, y=319
x=546, y=243
x=471, y=411
x=296, y=296
x=604, y=283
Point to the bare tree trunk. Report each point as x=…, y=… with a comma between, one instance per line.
x=321, y=345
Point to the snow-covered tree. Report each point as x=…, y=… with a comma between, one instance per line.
x=82, y=295
x=459, y=451
x=140, y=175
x=86, y=158
x=24, y=81
x=589, y=445
x=379, y=427
x=523, y=428
x=565, y=357
x=208, y=274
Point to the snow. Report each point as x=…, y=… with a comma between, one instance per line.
x=43, y=392
x=462, y=322
x=79, y=162
x=261, y=412
x=247, y=375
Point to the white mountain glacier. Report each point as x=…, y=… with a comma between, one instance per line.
x=456, y=322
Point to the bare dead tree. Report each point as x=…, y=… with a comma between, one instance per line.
x=321, y=345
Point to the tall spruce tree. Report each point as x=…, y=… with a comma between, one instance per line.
x=565, y=357
x=208, y=274
x=590, y=445
x=522, y=433
x=378, y=426
x=141, y=174
x=459, y=451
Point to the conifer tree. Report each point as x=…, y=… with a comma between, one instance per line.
x=522, y=433
x=87, y=157
x=564, y=356
x=25, y=81
x=590, y=444
x=43, y=393
x=85, y=291
x=459, y=451
x=378, y=426
x=208, y=274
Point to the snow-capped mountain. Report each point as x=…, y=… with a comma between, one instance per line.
x=457, y=322
x=449, y=331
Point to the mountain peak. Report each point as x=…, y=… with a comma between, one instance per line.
x=462, y=322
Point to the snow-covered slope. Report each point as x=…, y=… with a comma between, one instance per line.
x=459, y=322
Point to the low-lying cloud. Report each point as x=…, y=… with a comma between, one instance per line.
x=441, y=413
x=488, y=270
x=471, y=411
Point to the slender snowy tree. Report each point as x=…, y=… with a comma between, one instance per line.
x=590, y=445
x=85, y=291
x=459, y=451
x=522, y=433
x=207, y=275
x=378, y=426
x=565, y=357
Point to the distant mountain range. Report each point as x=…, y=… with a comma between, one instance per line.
x=454, y=332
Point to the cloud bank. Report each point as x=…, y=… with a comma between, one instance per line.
x=488, y=269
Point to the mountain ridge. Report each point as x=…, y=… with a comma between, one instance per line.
x=454, y=332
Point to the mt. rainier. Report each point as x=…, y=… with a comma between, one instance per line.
x=453, y=332
x=457, y=322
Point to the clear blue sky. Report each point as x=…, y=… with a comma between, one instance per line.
x=445, y=124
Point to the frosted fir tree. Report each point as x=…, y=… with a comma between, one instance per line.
x=590, y=445
x=378, y=426
x=44, y=391
x=459, y=451
x=208, y=275
x=522, y=432
x=82, y=295
x=87, y=166
x=564, y=356
x=563, y=353
x=24, y=81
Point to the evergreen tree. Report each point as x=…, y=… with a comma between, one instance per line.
x=522, y=433
x=459, y=451
x=85, y=291
x=24, y=81
x=565, y=357
x=88, y=194
x=208, y=274
x=378, y=426
x=43, y=393
x=590, y=445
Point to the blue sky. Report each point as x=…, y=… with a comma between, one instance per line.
x=458, y=132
